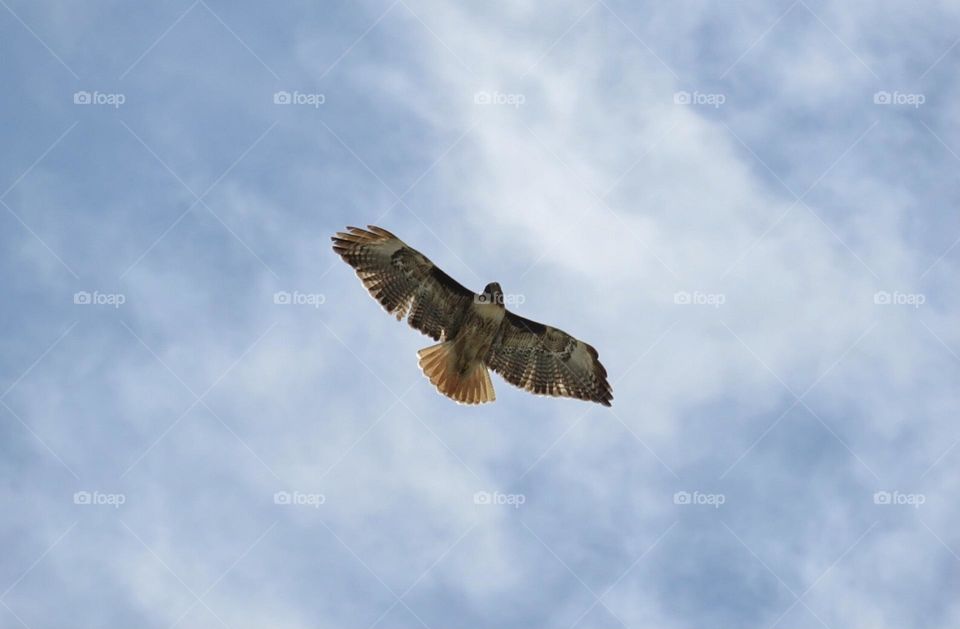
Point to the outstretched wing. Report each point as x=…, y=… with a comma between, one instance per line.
x=404, y=281
x=548, y=361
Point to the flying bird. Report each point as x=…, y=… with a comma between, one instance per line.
x=475, y=330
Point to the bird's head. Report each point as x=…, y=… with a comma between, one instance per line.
x=492, y=294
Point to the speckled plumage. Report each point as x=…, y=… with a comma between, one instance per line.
x=475, y=330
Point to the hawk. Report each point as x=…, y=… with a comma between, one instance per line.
x=475, y=330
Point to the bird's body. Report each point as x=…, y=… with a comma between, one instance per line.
x=476, y=331
x=479, y=329
x=456, y=367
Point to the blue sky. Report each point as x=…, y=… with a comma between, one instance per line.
x=749, y=209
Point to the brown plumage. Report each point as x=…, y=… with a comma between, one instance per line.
x=475, y=330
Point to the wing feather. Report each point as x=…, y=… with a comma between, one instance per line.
x=404, y=281
x=547, y=361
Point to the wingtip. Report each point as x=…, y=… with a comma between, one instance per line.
x=356, y=234
x=605, y=396
x=380, y=231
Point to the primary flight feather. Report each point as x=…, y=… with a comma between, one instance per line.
x=475, y=330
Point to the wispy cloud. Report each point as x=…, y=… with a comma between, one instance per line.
x=747, y=212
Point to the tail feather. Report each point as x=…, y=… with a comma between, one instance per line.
x=438, y=363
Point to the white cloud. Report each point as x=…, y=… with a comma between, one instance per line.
x=516, y=200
